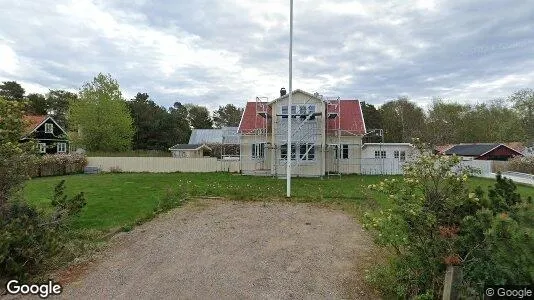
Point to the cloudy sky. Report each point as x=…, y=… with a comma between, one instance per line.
x=213, y=52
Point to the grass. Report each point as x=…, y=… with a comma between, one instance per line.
x=122, y=200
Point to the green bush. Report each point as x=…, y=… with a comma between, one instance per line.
x=29, y=239
x=436, y=221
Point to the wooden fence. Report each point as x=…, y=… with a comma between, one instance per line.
x=163, y=164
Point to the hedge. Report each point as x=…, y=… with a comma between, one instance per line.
x=58, y=164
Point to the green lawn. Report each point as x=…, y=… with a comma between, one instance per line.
x=116, y=200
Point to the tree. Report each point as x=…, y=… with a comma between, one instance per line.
x=523, y=103
x=227, y=115
x=371, y=116
x=199, y=116
x=181, y=130
x=37, y=104
x=402, y=120
x=12, y=90
x=102, y=116
x=15, y=157
x=58, y=105
x=153, y=124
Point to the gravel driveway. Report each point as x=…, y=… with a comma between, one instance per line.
x=214, y=249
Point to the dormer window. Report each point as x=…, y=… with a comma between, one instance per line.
x=49, y=128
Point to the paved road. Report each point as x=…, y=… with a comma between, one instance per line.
x=233, y=250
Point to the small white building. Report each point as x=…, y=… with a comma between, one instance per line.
x=385, y=158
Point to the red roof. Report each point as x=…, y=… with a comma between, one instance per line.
x=32, y=122
x=350, y=118
x=251, y=120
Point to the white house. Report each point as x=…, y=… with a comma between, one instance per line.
x=326, y=135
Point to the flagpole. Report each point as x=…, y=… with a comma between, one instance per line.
x=289, y=148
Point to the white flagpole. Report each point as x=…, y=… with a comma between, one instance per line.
x=289, y=153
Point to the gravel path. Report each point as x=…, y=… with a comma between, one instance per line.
x=233, y=250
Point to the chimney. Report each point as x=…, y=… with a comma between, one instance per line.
x=283, y=92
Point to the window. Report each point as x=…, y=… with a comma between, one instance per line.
x=302, y=110
x=293, y=109
x=344, y=151
x=307, y=151
x=61, y=147
x=377, y=154
x=284, y=111
x=396, y=154
x=382, y=154
x=311, y=109
x=49, y=128
x=42, y=147
x=283, y=152
x=403, y=155
x=258, y=150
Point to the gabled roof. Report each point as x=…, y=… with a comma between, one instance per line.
x=35, y=122
x=350, y=118
x=226, y=135
x=32, y=122
x=251, y=120
x=189, y=147
x=475, y=149
x=293, y=93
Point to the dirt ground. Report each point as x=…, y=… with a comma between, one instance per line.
x=212, y=249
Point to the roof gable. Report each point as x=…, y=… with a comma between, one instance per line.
x=35, y=122
x=293, y=93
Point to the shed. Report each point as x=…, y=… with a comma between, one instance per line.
x=483, y=151
x=385, y=158
x=189, y=150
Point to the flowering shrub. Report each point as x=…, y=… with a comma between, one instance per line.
x=435, y=221
x=522, y=164
x=59, y=164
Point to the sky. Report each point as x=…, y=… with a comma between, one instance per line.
x=229, y=51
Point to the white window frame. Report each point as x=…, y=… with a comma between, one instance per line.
x=377, y=154
x=396, y=154
x=403, y=155
x=49, y=128
x=284, y=111
x=383, y=154
x=307, y=147
x=258, y=150
x=42, y=147
x=343, y=148
x=61, y=147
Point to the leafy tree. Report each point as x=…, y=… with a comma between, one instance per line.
x=102, y=115
x=58, y=102
x=402, y=120
x=228, y=115
x=15, y=157
x=154, y=125
x=181, y=130
x=12, y=90
x=523, y=103
x=371, y=116
x=37, y=104
x=199, y=116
